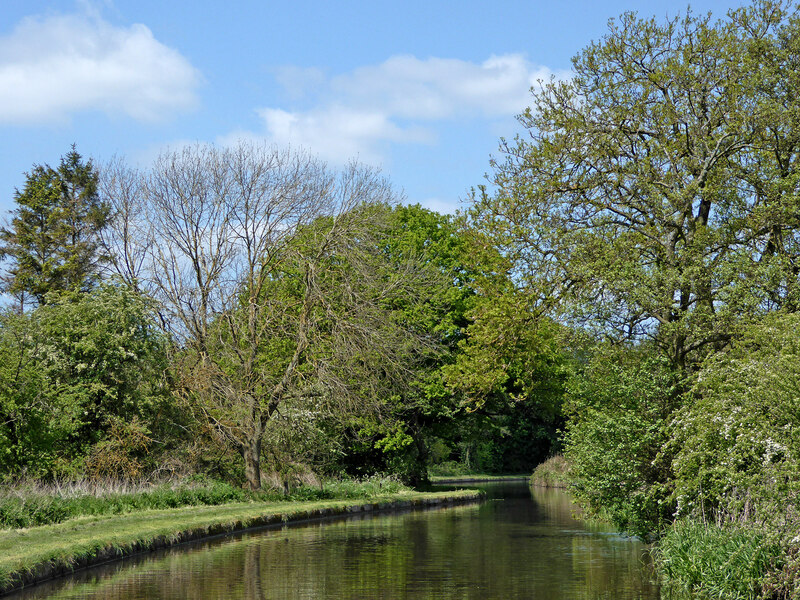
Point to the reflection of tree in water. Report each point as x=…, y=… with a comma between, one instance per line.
x=509, y=549
x=554, y=505
x=608, y=563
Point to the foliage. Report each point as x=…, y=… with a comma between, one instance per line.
x=712, y=562
x=448, y=468
x=419, y=413
x=81, y=376
x=510, y=370
x=512, y=353
x=654, y=195
x=618, y=408
x=782, y=579
x=424, y=409
x=737, y=448
x=52, y=238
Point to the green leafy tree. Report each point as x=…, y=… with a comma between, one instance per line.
x=619, y=405
x=82, y=384
x=443, y=412
x=425, y=409
x=30, y=429
x=655, y=193
x=510, y=371
x=52, y=238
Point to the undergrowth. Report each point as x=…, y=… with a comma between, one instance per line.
x=554, y=472
x=708, y=561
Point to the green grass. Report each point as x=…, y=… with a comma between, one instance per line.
x=89, y=539
x=707, y=561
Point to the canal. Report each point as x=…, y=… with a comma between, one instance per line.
x=520, y=543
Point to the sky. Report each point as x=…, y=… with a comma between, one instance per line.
x=424, y=90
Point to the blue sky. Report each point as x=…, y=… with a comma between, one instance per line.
x=422, y=89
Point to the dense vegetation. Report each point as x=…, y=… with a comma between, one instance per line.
x=243, y=313
x=625, y=292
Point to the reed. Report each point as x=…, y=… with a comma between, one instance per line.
x=552, y=473
x=708, y=561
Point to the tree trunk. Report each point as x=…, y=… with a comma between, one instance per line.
x=251, y=452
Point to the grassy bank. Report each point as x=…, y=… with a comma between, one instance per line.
x=31, y=504
x=38, y=553
x=735, y=561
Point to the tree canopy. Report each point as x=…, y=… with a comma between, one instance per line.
x=655, y=194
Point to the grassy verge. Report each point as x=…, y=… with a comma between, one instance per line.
x=554, y=473
x=38, y=553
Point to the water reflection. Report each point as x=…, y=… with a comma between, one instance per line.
x=526, y=545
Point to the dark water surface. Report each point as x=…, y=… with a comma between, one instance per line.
x=521, y=543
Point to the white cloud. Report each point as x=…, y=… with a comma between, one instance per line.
x=440, y=88
x=53, y=67
x=402, y=100
x=338, y=133
x=298, y=81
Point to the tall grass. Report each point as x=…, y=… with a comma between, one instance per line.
x=33, y=504
x=714, y=562
x=554, y=472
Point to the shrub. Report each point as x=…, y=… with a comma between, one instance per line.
x=736, y=444
x=618, y=407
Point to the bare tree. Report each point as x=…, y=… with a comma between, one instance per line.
x=271, y=276
x=130, y=234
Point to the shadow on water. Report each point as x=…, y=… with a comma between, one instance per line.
x=520, y=543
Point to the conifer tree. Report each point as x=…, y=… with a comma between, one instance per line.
x=51, y=240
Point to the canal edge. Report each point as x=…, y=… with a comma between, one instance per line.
x=54, y=569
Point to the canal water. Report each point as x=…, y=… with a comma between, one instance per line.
x=520, y=543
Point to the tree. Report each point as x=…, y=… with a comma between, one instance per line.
x=270, y=278
x=129, y=234
x=81, y=378
x=425, y=410
x=510, y=371
x=52, y=238
x=656, y=195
